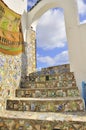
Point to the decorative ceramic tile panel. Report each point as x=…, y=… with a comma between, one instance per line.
x=49, y=84
x=43, y=93
x=62, y=76
x=31, y=51
x=13, y=70
x=52, y=70
x=50, y=81
x=60, y=105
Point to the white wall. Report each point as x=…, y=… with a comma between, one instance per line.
x=75, y=33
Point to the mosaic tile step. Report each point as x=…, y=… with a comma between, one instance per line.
x=49, y=84
x=46, y=104
x=42, y=121
x=43, y=116
x=48, y=77
x=48, y=92
x=52, y=70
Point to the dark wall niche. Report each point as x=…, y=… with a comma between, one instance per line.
x=47, y=77
x=56, y=129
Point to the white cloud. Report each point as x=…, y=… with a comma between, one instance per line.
x=51, y=30
x=61, y=58
x=31, y=2
x=81, y=7
x=82, y=22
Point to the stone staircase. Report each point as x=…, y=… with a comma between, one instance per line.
x=48, y=100
x=51, y=90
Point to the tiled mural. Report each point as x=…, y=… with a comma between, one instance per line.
x=44, y=93
x=12, y=68
x=46, y=105
x=12, y=71
x=31, y=51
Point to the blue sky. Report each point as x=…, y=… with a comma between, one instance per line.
x=52, y=48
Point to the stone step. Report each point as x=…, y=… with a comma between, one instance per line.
x=12, y=120
x=47, y=77
x=48, y=92
x=51, y=70
x=46, y=104
x=49, y=84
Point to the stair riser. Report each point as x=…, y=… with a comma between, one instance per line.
x=52, y=70
x=54, y=84
x=45, y=106
x=63, y=76
x=47, y=93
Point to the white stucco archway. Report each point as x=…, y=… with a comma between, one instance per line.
x=70, y=15
x=70, y=9
x=75, y=33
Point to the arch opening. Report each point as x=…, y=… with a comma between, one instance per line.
x=75, y=34
x=51, y=40
x=81, y=4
